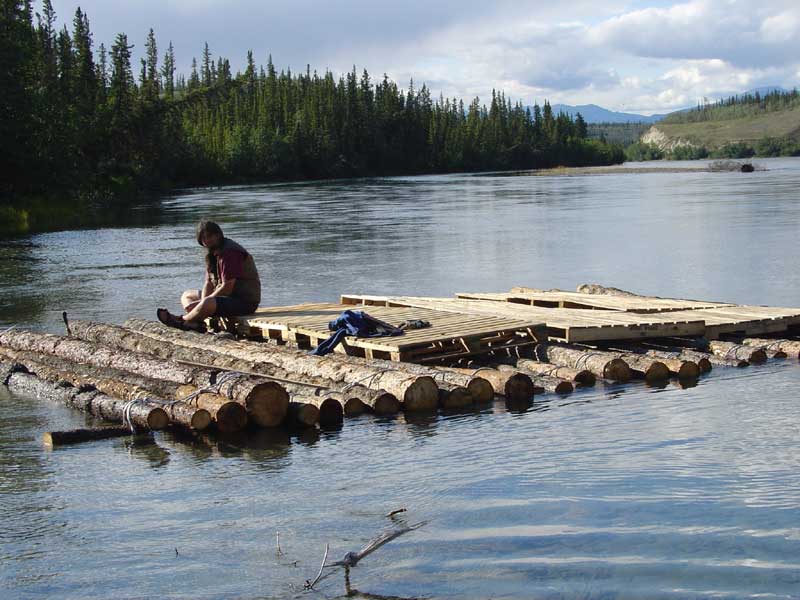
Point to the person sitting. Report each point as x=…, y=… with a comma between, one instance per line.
x=232, y=286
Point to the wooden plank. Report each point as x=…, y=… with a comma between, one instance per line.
x=577, y=300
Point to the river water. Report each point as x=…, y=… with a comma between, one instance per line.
x=615, y=492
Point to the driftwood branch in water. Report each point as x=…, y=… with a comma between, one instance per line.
x=351, y=559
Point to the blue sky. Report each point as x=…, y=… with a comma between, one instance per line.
x=634, y=56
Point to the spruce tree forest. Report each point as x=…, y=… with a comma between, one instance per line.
x=84, y=130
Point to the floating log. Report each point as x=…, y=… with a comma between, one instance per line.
x=682, y=369
x=415, y=392
x=645, y=367
x=144, y=414
x=738, y=351
x=581, y=377
x=676, y=363
x=454, y=396
x=125, y=386
x=351, y=406
x=266, y=401
x=596, y=288
x=329, y=410
x=303, y=411
x=380, y=402
x=514, y=385
x=602, y=364
x=480, y=389
x=77, y=436
x=788, y=347
x=547, y=383
x=718, y=361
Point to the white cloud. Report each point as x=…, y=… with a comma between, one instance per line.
x=615, y=53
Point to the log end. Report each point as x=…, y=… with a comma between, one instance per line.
x=519, y=387
x=354, y=407
x=617, y=370
x=201, y=419
x=689, y=370
x=657, y=371
x=564, y=387
x=585, y=378
x=158, y=419
x=330, y=412
x=457, y=397
x=305, y=415
x=758, y=356
x=386, y=404
x=267, y=404
x=481, y=390
x=231, y=417
x=704, y=365
x=779, y=354
x=421, y=395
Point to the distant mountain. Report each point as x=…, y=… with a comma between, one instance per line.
x=592, y=113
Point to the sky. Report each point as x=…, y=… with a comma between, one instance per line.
x=634, y=56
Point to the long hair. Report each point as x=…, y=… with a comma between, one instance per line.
x=209, y=227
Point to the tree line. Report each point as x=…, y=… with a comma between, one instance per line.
x=85, y=125
x=737, y=107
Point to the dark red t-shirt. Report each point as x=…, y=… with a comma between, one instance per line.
x=230, y=264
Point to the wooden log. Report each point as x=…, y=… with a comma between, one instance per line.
x=77, y=436
x=415, y=392
x=646, y=367
x=303, y=411
x=581, y=377
x=380, y=402
x=453, y=396
x=675, y=361
x=143, y=414
x=603, y=364
x=596, y=288
x=788, y=347
x=351, y=406
x=265, y=401
x=114, y=383
x=717, y=361
x=546, y=383
x=480, y=389
x=738, y=351
x=514, y=385
x=635, y=355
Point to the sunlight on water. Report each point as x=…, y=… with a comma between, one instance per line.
x=614, y=492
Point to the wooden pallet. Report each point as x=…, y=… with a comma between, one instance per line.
x=561, y=299
x=735, y=320
x=568, y=325
x=452, y=335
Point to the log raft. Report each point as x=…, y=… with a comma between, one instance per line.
x=415, y=392
x=144, y=414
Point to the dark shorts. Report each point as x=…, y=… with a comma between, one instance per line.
x=230, y=306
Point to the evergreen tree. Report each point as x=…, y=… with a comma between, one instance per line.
x=168, y=72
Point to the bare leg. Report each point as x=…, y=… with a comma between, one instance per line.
x=203, y=309
x=189, y=300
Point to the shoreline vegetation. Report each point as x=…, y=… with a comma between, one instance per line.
x=743, y=126
x=85, y=137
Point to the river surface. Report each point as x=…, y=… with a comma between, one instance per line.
x=614, y=492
